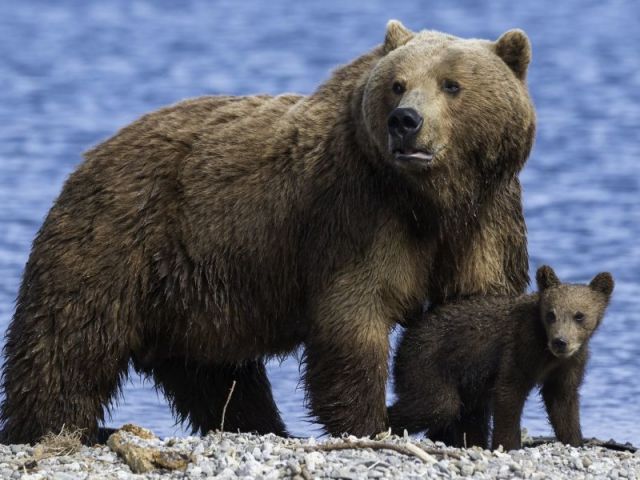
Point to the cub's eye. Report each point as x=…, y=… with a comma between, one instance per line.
x=451, y=86
x=551, y=317
x=579, y=317
x=398, y=88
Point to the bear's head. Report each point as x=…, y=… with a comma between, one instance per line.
x=452, y=115
x=571, y=313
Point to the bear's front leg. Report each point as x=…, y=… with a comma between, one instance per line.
x=560, y=394
x=346, y=366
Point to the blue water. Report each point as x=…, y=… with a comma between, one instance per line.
x=72, y=72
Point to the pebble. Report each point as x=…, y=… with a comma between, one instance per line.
x=474, y=454
x=313, y=460
x=294, y=466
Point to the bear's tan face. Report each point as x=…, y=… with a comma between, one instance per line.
x=443, y=109
x=571, y=313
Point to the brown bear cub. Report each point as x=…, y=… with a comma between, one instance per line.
x=482, y=356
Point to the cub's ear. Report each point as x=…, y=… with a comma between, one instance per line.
x=546, y=277
x=514, y=49
x=602, y=282
x=396, y=36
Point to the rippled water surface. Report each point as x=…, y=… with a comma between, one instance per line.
x=72, y=72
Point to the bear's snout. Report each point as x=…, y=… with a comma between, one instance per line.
x=404, y=124
x=559, y=345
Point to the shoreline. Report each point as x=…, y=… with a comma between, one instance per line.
x=136, y=453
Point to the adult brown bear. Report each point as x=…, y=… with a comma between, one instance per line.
x=214, y=233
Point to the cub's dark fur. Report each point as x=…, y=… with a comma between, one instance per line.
x=482, y=356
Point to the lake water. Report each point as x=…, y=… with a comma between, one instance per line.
x=72, y=72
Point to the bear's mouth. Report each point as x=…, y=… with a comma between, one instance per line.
x=411, y=155
x=564, y=354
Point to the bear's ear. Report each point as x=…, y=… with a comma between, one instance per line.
x=514, y=49
x=546, y=277
x=396, y=36
x=602, y=282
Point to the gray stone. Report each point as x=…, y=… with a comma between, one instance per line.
x=17, y=448
x=294, y=467
x=64, y=476
x=467, y=469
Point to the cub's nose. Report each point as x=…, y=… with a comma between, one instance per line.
x=404, y=122
x=559, y=345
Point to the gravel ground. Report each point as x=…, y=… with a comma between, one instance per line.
x=269, y=457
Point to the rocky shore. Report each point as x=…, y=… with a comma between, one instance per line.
x=133, y=452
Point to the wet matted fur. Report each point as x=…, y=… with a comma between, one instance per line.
x=214, y=233
x=482, y=356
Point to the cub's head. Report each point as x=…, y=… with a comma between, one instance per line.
x=451, y=114
x=571, y=313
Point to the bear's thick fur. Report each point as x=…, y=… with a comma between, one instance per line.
x=482, y=356
x=212, y=234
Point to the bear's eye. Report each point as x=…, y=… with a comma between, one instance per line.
x=451, y=86
x=579, y=317
x=398, y=88
x=551, y=317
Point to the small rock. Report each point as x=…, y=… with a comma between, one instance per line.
x=504, y=471
x=294, y=466
x=64, y=476
x=443, y=466
x=267, y=448
x=32, y=476
x=313, y=459
x=474, y=455
x=17, y=448
x=577, y=463
x=106, y=458
x=198, y=450
x=257, y=453
x=138, y=431
x=207, y=470
x=347, y=474
x=227, y=473
x=467, y=469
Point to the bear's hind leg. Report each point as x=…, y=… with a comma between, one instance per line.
x=198, y=392
x=474, y=428
x=449, y=435
x=437, y=413
x=62, y=368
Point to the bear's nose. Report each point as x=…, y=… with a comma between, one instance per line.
x=404, y=122
x=559, y=344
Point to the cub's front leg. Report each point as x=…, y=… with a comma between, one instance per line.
x=560, y=394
